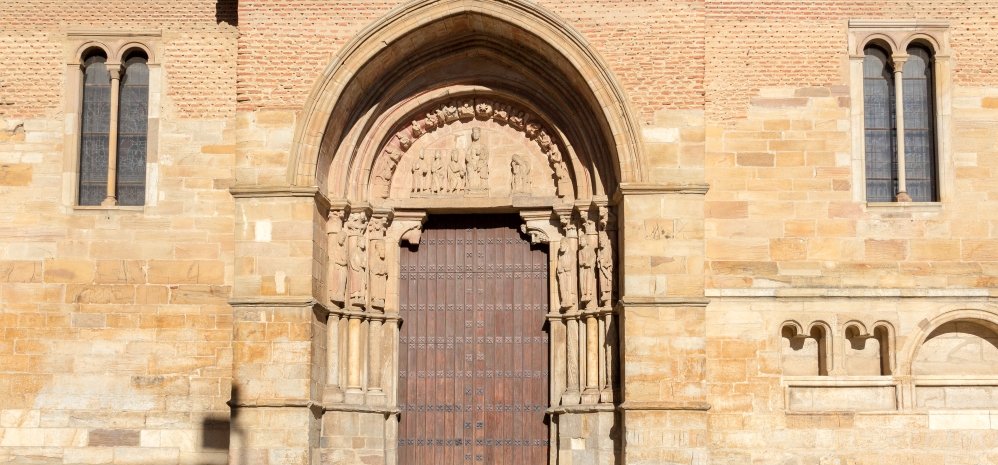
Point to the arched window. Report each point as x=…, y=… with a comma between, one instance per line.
x=878, y=107
x=133, y=115
x=884, y=146
x=919, y=132
x=95, y=124
x=114, y=122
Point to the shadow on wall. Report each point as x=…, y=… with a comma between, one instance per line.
x=227, y=11
x=216, y=430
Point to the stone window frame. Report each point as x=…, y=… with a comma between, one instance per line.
x=116, y=45
x=896, y=35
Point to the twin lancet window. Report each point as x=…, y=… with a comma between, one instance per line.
x=114, y=129
x=900, y=137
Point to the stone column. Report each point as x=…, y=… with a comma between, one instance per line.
x=567, y=272
x=336, y=284
x=899, y=59
x=112, y=137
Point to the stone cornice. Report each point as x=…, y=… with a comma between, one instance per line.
x=260, y=192
x=665, y=405
x=274, y=301
x=643, y=188
x=791, y=292
x=898, y=24
x=655, y=301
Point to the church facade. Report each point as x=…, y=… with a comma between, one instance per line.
x=498, y=231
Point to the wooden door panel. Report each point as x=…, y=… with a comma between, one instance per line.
x=473, y=353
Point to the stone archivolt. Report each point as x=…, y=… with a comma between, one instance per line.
x=460, y=171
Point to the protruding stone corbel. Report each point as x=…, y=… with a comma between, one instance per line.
x=408, y=226
x=540, y=225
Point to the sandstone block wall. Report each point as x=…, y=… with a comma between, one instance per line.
x=115, y=341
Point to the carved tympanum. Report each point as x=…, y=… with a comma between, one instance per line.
x=438, y=173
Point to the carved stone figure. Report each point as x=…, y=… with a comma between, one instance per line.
x=566, y=272
x=517, y=119
x=439, y=174
x=531, y=130
x=483, y=109
x=449, y=113
x=357, y=270
x=378, y=263
x=338, y=257
x=605, y=260
x=520, y=167
x=467, y=110
x=561, y=178
x=416, y=128
x=501, y=114
x=544, y=141
x=477, y=162
x=587, y=263
x=455, y=172
x=421, y=174
x=404, y=141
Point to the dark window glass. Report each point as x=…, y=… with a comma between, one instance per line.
x=919, y=133
x=881, y=130
x=95, y=122
x=133, y=116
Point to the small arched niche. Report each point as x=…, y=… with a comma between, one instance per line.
x=964, y=347
x=804, y=353
x=867, y=353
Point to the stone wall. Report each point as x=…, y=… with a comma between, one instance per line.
x=115, y=341
x=775, y=317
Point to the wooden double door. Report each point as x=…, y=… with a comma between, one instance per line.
x=473, y=352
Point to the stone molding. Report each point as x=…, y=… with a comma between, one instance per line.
x=262, y=192
x=656, y=301
x=329, y=88
x=634, y=188
x=801, y=292
x=665, y=405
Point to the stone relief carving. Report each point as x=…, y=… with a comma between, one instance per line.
x=605, y=259
x=357, y=260
x=477, y=160
x=520, y=169
x=475, y=177
x=438, y=174
x=566, y=272
x=455, y=172
x=421, y=174
x=338, y=257
x=587, y=263
x=378, y=260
